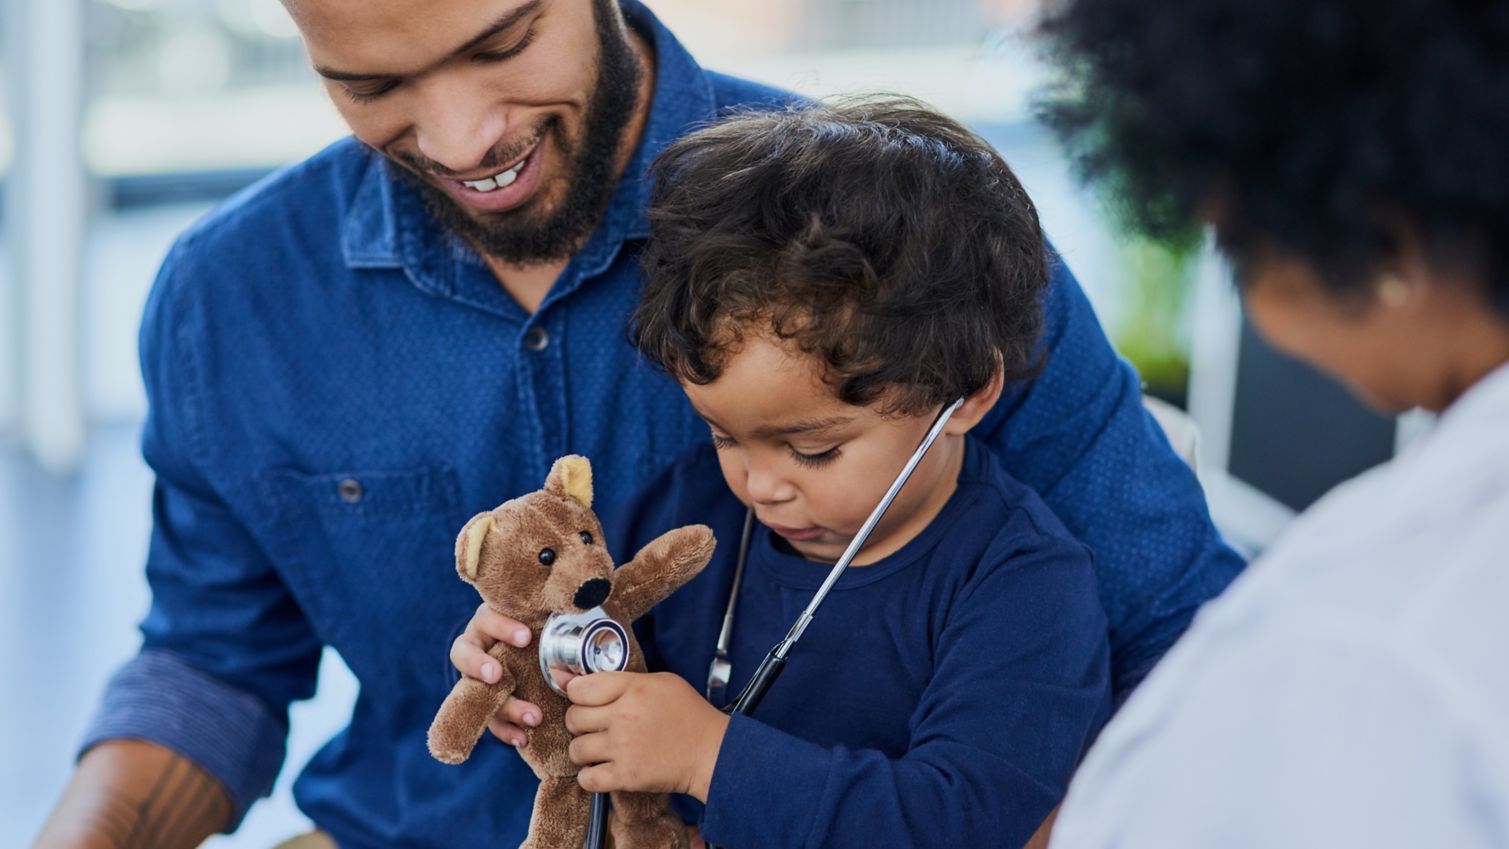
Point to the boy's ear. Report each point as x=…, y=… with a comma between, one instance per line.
x=571, y=477
x=978, y=403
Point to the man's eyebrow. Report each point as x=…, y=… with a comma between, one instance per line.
x=804, y=426
x=501, y=24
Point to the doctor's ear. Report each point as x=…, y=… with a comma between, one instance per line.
x=977, y=403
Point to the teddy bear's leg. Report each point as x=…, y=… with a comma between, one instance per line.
x=462, y=718
x=560, y=815
x=646, y=821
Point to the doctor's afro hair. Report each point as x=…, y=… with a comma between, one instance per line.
x=1321, y=130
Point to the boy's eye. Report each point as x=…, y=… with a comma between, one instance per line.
x=815, y=461
x=720, y=441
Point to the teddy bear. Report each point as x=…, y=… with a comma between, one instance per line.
x=543, y=554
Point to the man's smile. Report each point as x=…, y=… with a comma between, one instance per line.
x=502, y=190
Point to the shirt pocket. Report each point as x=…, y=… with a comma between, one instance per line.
x=370, y=554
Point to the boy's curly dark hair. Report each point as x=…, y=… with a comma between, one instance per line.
x=880, y=237
x=1317, y=129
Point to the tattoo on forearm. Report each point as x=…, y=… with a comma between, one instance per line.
x=150, y=809
x=114, y=819
x=181, y=806
x=180, y=827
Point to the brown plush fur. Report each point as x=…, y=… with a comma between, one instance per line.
x=498, y=552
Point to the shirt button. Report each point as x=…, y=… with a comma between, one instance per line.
x=536, y=339
x=351, y=491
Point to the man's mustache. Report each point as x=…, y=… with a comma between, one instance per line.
x=496, y=158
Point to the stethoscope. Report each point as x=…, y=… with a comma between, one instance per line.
x=721, y=667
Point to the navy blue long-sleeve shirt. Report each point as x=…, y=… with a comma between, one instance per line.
x=941, y=697
x=335, y=382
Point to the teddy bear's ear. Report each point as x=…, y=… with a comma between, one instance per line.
x=571, y=477
x=469, y=544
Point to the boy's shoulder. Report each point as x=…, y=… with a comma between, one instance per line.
x=1011, y=513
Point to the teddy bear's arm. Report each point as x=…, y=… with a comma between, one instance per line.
x=660, y=568
x=462, y=718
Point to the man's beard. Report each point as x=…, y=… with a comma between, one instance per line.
x=520, y=238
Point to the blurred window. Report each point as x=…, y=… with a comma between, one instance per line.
x=7, y=144
x=198, y=85
x=8, y=348
x=966, y=57
x=206, y=85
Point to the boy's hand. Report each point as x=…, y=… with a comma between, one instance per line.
x=469, y=655
x=644, y=732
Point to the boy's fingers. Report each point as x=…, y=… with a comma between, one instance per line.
x=589, y=750
x=586, y=720
x=596, y=779
x=520, y=712
x=508, y=733
x=472, y=661
x=490, y=626
x=599, y=688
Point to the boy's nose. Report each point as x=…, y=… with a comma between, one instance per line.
x=766, y=488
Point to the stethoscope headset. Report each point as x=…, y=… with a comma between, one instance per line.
x=590, y=642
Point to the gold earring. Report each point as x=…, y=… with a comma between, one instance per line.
x=1392, y=291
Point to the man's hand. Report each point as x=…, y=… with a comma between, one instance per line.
x=637, y=731
x=469, y=655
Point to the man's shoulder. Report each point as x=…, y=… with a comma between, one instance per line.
x=313, y=193
x=735, y=94
x=255, y=249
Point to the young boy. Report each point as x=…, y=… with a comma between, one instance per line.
x=823, y=283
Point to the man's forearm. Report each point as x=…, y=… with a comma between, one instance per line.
x=127, y=794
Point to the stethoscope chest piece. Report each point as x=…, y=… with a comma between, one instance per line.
x=573, y=644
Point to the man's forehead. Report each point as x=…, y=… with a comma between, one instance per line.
x=362, y=35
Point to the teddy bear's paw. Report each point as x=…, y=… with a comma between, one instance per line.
x=450, y=756
x=447, y=750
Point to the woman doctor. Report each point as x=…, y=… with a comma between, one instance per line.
x=1352, y=689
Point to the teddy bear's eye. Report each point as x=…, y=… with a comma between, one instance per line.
x=547, y=556
x=586, y=537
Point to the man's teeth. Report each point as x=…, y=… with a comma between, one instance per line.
x=496, y=181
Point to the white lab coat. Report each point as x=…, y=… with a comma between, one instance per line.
x=1351, y=689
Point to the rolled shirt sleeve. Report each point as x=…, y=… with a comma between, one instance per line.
x=229, y=733
x=226, y=647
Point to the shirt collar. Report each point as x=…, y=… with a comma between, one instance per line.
x=387, y=226
x=1472, y=420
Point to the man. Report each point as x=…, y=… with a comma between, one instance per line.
x=348, y=360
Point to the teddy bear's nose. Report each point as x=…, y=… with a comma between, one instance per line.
x=592, y=593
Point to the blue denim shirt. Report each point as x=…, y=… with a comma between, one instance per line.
x=336, y=383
